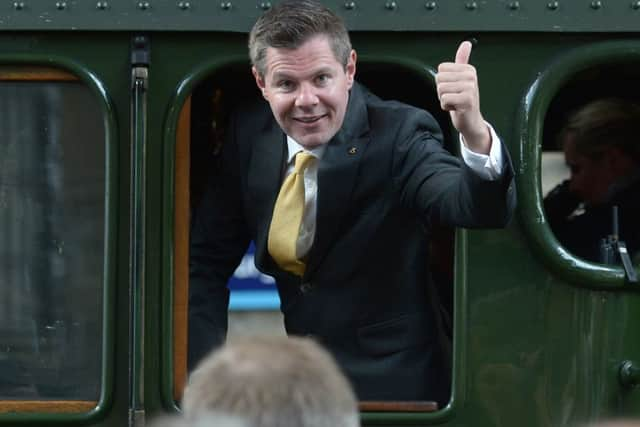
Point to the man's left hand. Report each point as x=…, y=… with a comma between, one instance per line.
x=457, y=85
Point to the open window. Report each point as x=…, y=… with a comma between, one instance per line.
x=254, y=304
x=561, y=103
x=590, y=163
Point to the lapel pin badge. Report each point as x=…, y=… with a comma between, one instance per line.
x=353, y=150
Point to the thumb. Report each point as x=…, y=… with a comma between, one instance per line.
x=463, y=53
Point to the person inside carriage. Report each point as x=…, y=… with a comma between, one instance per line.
x=601, y=199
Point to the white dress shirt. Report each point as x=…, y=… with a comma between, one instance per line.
x=488, y=167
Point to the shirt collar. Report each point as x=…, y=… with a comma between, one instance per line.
x=294, y=148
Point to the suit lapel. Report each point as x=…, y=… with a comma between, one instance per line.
x=337, y=174
x=263, y=182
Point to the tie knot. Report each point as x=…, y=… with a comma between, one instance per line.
x=302, y=160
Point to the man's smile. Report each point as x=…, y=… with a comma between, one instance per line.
x=309, y=119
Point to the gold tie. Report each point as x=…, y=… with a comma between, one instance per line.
x=287, y=218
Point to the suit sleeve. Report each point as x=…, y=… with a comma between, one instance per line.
x=219, y=239
x=440, y=187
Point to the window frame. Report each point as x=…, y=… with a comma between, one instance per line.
x=174, y=317
x=535, y=103
x=52, y=68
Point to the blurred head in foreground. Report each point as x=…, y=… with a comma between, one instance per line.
x=273, y=382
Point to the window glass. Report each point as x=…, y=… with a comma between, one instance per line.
x=52, y=203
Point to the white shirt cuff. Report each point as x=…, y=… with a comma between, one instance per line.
x=489, y=166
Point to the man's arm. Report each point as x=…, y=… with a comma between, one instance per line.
x=489, y=166
x=443, y=189
x=460, y=197
x=219, y=239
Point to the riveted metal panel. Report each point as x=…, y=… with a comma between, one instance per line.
x=360, y=15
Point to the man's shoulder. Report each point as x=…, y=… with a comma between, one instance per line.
x=392, y=117
x=373, y=101
x=390, y=110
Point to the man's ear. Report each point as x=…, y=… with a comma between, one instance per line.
x=618, y=161
x=351, y=68
x=259, y=81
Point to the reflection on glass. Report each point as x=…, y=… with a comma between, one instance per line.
x=52, y=181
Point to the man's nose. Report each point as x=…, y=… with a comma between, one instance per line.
x=306, y=96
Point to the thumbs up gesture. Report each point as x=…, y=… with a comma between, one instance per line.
x=457, y=85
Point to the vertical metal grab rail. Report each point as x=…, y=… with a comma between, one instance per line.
x=139, y=82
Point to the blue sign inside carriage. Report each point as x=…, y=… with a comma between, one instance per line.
x=251, y=289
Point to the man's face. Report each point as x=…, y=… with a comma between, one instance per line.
x=307, y=89
x=590, y=177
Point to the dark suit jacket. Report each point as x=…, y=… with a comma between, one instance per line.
x=383, y=180
x=582, y=233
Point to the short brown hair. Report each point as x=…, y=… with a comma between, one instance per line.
x=273, y=382
x=291, y=23
x=603, y=123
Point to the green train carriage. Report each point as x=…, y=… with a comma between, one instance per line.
x=107, y=109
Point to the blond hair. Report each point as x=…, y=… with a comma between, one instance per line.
x=604, y=123
x=273, y=382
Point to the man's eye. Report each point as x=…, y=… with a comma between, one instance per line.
x=285, y=84
x=322, y=79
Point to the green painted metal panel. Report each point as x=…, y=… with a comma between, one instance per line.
x=360, y=15
x=536, y=343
